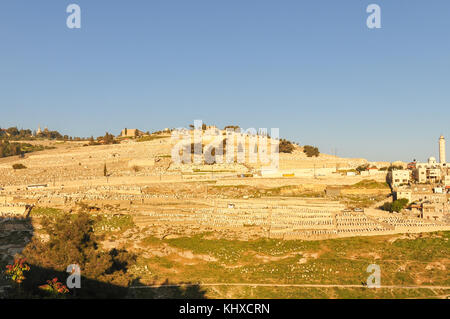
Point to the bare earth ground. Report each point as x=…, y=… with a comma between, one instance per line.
x=238, y=237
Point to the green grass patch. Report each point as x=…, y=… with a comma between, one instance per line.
x=342, y=261
x=46, y=212
x=370, y=184
x=113, y=223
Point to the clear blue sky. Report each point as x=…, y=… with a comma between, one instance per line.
x=311, y=68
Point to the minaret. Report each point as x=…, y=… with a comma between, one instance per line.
x=442, y=158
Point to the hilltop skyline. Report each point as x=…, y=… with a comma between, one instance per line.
x=312, y=69
x=440, y=153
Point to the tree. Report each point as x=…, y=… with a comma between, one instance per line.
x=362, y=168
x=387, y=207
x=19, y=166
x=214, y=149
x=13, y=131
x=399, y=204
x=199, y=145
x=232, y=127
x=311, y=151
x=396, y=206
x=71, y=240
x=108, y=138
x=285, y=146
x=394, y=167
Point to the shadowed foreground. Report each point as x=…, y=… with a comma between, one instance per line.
x=16, y=239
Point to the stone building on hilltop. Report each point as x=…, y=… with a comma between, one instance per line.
x=130, y=133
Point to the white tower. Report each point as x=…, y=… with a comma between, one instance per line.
x=442, y=158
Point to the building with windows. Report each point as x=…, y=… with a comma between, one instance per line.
x=430, y=172
x=399, y=177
